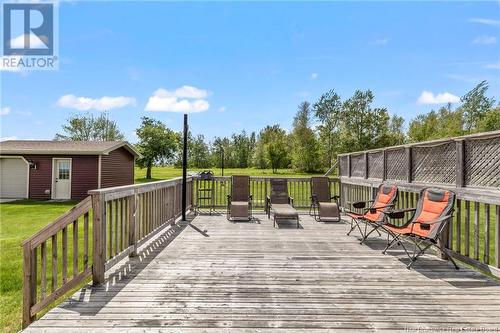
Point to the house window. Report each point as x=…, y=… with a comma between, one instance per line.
x=63, y=170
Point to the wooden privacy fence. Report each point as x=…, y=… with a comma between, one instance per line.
x=106, y=227
x=298, y=188
x=468, y=165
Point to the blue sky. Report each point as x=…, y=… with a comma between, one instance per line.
x=246, y=65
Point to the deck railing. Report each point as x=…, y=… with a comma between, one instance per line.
x=468, y=165
x=106, y=227
x=298, y=187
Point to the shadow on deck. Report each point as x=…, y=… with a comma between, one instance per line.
x=210, y=275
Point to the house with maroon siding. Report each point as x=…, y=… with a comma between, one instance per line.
x=63, y=169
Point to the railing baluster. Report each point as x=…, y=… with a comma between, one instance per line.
x=85, y=240
x=476, y=230
x=43, y=270
x=54, y=263
x=65, y=255
x=486, y=255
x=110, y=226
x=75, y=248
x=467, y=228
x=497, y=235
x=458, y=226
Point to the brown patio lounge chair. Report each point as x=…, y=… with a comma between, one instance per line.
x=322, y=207
x=434, y=210
x=279, y=203
x=376, y=214
x=239, y=202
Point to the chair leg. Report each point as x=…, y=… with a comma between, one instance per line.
x=368, y=234
x=445, y=250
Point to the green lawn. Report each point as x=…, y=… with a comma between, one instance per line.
x=159, y=173
x=18, y=221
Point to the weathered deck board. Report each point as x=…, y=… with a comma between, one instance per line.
x=250, y=277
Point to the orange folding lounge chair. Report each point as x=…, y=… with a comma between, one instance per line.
x=434, y=210
x=376, y=214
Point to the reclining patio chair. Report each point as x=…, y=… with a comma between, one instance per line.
x=376, y=214
x=239, y=202
x=434, y=210
x=321, y=201
x=279, y=203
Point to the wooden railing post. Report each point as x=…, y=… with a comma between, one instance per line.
x=132, y=218
x=29, y=283
x=99, y=238
x=349, y=172
x=365, y=156
x=409, y=171
x=460, y=177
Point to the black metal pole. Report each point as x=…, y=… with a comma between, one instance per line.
x=184, y=168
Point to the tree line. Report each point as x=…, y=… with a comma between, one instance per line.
x=321, y=130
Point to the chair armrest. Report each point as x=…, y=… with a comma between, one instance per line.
x=290, y=200
x=250, y=197
x=400, y=213
x=360, y=204
x=335, y=197
x=374, y=210
x=229, y=198
x=314, y=198
x=441, y=219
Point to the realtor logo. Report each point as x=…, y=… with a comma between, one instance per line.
x=29, y=36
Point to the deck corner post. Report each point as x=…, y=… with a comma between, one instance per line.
x=132, y=214
x=99, y=238
x=29, y=283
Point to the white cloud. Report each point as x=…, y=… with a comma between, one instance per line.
x=4, y=111
x=186, y=99
x=222, y=109
x=35, y=42
x=428, y=97
x=381, y=41
x=5, y=138
x=485, y=21
x=493, y=66
x=101, y=104
x=314, y=76
x=485, y=40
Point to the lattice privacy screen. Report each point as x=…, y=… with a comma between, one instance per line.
x=343, y=165
x=435, y=164
x=482, y=162
x=396, y=164
x=376, y=165
x=358, y=165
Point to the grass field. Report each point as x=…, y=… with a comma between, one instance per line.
x=159, y=173
x=18, y=221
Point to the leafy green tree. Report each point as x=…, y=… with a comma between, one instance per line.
x=327, y=110
x=157, y=144
x=490, y=121
x=275, y=146
x=363, y=127
x=86, y=127
x=305, y=155
x=199, y=156
x=241, y=149
x=475, y=105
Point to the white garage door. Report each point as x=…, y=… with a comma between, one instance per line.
x=13, y=178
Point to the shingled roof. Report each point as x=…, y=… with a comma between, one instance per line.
x=64, y=147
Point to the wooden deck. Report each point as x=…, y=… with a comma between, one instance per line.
x=250, y=277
